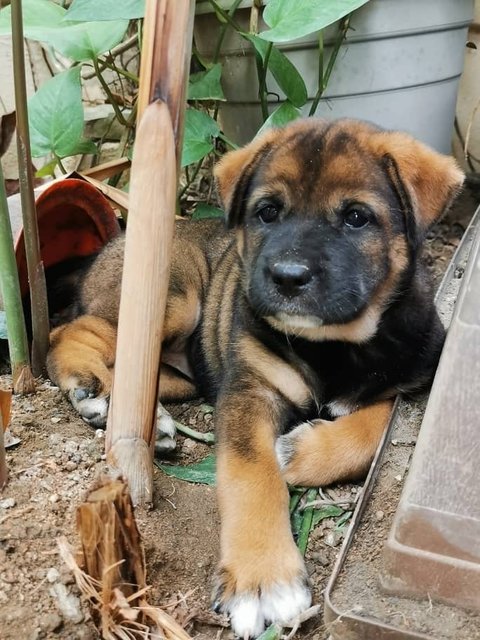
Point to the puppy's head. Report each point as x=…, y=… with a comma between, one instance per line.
x=329, y=217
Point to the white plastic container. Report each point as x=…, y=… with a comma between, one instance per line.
x=399, y=68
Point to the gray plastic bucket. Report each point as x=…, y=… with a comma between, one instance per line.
x=399, y=68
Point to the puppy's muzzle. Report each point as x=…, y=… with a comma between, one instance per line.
x=290, y=277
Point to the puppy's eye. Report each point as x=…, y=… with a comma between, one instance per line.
x=356, y=219
x=268, y=213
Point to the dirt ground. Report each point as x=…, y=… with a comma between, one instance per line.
x=57, y=461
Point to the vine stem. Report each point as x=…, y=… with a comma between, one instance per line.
x=324, y=78
x=262, y=85
x=106, y=88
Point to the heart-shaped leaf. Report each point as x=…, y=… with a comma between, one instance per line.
x=86, y=10
x=200, y=130
x=205, y=85
x=289, y=19
x=56, y=117
x=45, y=21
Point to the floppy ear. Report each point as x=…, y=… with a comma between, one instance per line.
x=233, y=173
x=430, y=180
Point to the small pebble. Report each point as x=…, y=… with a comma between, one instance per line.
x=398, y=478
x=100, y=434
x=52, y=575
x=68, y=604
x=51, y=622
x=55, y=419
x=54, y=498
x=71, y=465
x=7, y=503
x=379, y=515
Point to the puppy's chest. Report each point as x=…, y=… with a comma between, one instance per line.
x=341, y=375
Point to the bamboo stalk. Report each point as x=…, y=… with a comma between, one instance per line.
x=130, y=429
x=143, y=299
x=23, y=381
x=36, y=275
x=166, y=58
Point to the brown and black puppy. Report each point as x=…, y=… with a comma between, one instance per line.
x=304, y=321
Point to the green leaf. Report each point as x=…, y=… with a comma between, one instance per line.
x=45, y=21
x=203, y=211
x=205, y=85
x=36, y=14
x=341, y=522
x=329, y=511
x=200, y=129
x=284, y=72
x=85, y=10
x=273, y=632
x=283, y=114
x=3, y=326
x=48, y=170
x=200, y=472
x=291, y=19
x=56, y=117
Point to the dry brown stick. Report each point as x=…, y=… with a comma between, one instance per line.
x=107, y=169
x=113, y=573
x=143, y=299
x=130, y=430
x=36, y=275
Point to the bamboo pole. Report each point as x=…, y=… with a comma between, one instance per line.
x=23, y=381
x=130, y=429
x=36, y=275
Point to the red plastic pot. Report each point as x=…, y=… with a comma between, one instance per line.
x=74, y=220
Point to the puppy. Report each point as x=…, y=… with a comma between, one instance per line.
x=303, y=319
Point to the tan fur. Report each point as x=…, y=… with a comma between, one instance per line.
x=274, y=371
x=81, y=351
x=340, y=450
x=253, y=502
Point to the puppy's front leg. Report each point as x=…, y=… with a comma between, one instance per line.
x=321, y=452
x=262, y=577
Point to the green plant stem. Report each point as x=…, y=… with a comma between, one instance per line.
x=223, y=31
x=228, y=142
x=191, y=178
x=209, y=437
x=306, y=522
x=262, y=81
x=36, y=275
x=106, y=88
x=225, y=15
x=342, y=32
x=63, y=169
x=12, y=299
x=122, y=72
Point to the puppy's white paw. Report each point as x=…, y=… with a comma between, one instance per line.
x=285, y=446
x=279, y=603
x=165, y=432
x=92, y=408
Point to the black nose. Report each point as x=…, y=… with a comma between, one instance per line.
x=290, y=277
